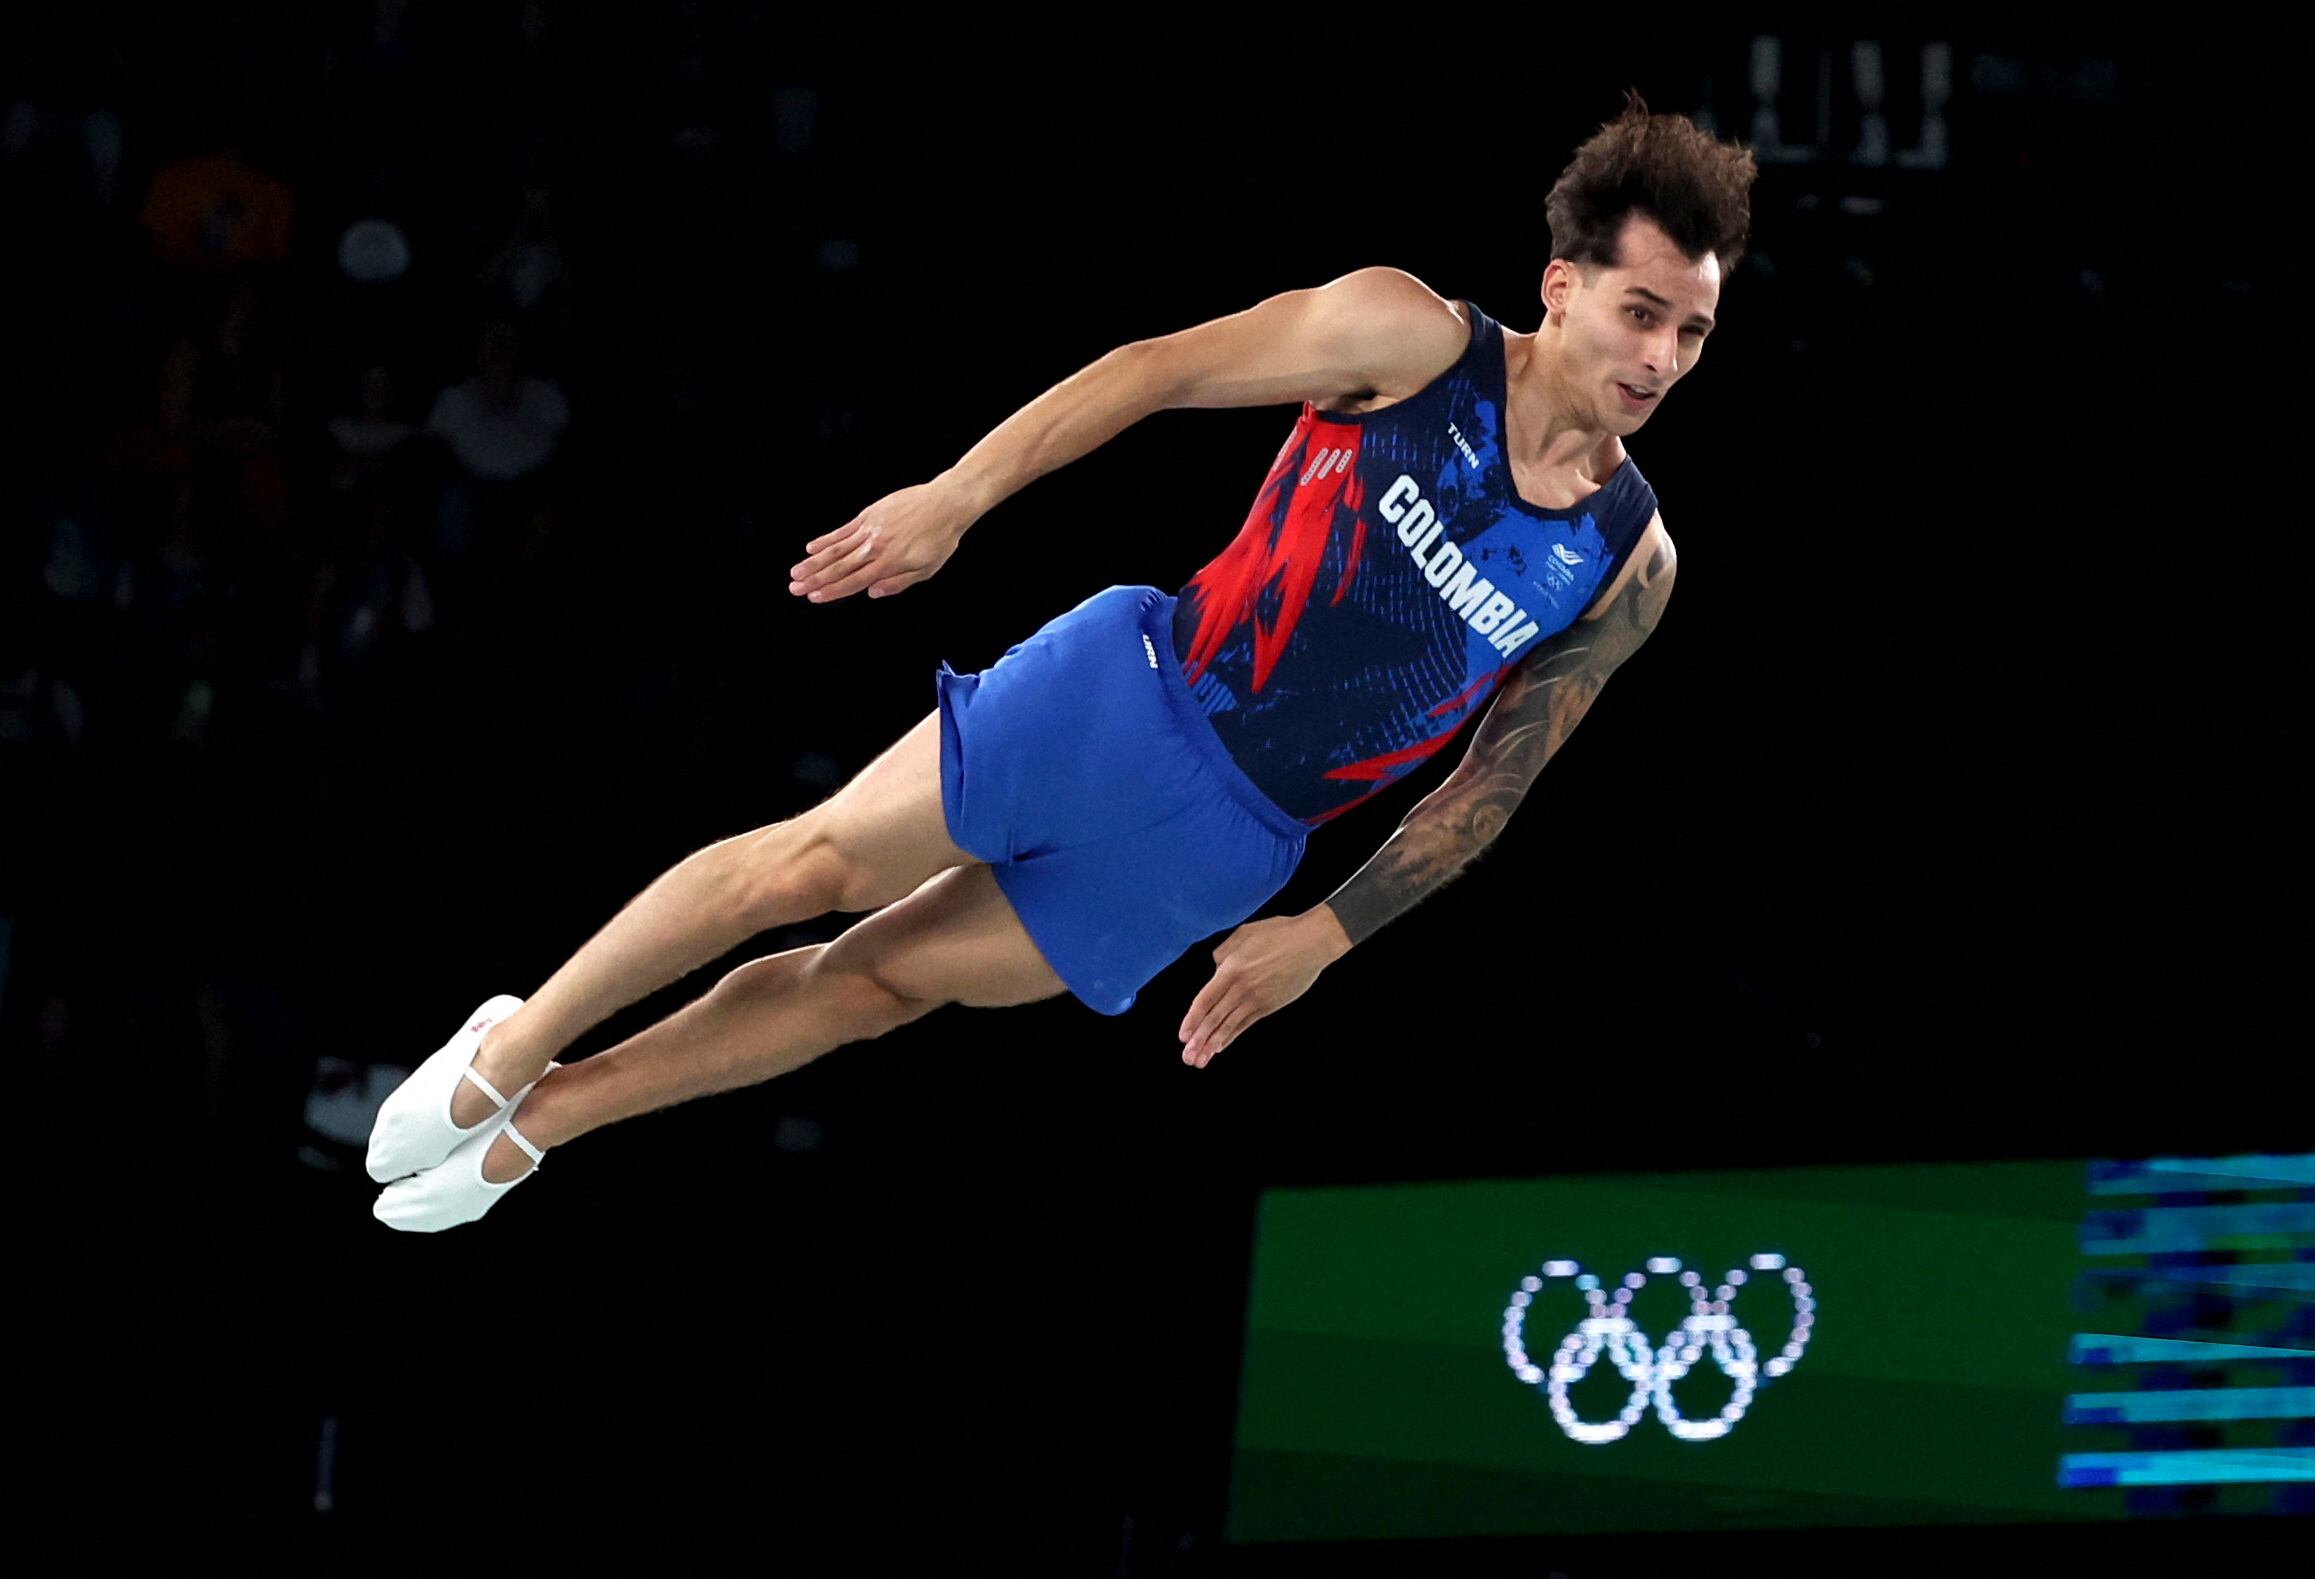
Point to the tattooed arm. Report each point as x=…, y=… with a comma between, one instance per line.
x=1531, y=716
x=1267, y=964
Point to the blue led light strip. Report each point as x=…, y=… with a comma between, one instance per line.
x=2165, y=1174
x=2105, y=1348
x=2205, y=1403
x=2210, y=1467
x=2223, y=1297
x=2291, y=1277
x=2149, y=1230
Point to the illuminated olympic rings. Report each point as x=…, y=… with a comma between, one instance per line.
x=1654, y=1369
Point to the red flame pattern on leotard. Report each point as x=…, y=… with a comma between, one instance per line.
x=1285, y=554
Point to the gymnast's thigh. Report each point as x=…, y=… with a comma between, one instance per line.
x=955, y=940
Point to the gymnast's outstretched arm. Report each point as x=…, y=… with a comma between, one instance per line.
x=1375, y=330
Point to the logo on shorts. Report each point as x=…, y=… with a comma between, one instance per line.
x=1149, y=647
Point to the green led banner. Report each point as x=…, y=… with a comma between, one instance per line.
x=2035, y=1341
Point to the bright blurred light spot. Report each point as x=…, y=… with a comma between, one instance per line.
x=1663, y=1263
x=1767, y=1263
x=1559, y=1269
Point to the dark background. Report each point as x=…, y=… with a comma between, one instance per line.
x=1945, y=817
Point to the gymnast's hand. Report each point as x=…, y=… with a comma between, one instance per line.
x=1264, y=965
x=896, y=542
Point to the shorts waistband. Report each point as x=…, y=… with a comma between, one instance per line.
x=1157, y=623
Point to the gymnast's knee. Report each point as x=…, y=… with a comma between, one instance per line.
x=861, y=994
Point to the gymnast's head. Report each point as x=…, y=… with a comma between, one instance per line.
x=1648, y=217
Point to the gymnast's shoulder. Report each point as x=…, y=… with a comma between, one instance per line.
x=1374, y=333
x=1644, y=584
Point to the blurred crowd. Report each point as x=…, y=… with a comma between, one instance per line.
x=294, y=407
x=265, y=520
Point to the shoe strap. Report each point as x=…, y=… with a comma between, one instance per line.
x=537, y=1156
x=488, y=1089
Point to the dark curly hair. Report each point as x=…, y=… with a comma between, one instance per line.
x=1698, y=188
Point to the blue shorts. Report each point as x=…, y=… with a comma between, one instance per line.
x=1083, y=771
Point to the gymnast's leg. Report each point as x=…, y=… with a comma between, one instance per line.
x=955, y=940
x=873, y=842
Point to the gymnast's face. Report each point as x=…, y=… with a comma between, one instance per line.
x=1631, y=330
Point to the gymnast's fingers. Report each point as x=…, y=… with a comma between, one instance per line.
x=821, y=553
x=825, y=538
x=835, y=570
x=863, y=570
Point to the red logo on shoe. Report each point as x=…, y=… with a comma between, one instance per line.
x=480, y=1025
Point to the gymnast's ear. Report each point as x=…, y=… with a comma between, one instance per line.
x=1561, y=280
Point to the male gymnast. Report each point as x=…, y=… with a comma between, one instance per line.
x=1453, y=523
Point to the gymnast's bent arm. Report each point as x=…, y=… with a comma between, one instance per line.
x=1267, y=964
x=1373, y=330
x=1530, y=719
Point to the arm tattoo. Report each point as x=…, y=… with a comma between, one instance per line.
x=1531, y=717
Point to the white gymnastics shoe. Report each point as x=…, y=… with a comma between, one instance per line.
x=454, y=1191
x=413, y=1130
